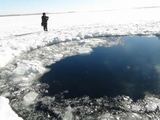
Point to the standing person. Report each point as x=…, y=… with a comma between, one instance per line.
x=44, y=21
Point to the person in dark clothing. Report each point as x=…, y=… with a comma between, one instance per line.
x=44, y=21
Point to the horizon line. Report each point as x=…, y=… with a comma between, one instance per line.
x=76, y=11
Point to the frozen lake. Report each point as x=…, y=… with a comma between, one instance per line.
x=97, y=60
x=99, y=67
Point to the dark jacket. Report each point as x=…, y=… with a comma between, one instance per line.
x=44, y=20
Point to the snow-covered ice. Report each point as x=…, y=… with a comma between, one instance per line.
x=6, y=111
x=25, y=49
x=23, y=33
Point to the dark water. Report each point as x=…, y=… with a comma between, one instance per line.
x=131, y=69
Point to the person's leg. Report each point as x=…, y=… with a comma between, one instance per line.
x=45, y=27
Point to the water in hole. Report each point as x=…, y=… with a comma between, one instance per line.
x=131, y=68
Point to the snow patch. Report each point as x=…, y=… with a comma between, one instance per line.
x=58, y=57
x=84, y=50
x=6, y=111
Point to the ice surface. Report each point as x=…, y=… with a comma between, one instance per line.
x=152, y=104
x=30, y=98
x=6, y=111
x=26, y=71
x=23, y=33
x=68, y=114
x=25, y=50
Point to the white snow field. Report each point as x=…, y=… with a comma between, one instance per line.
x=25, y=50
